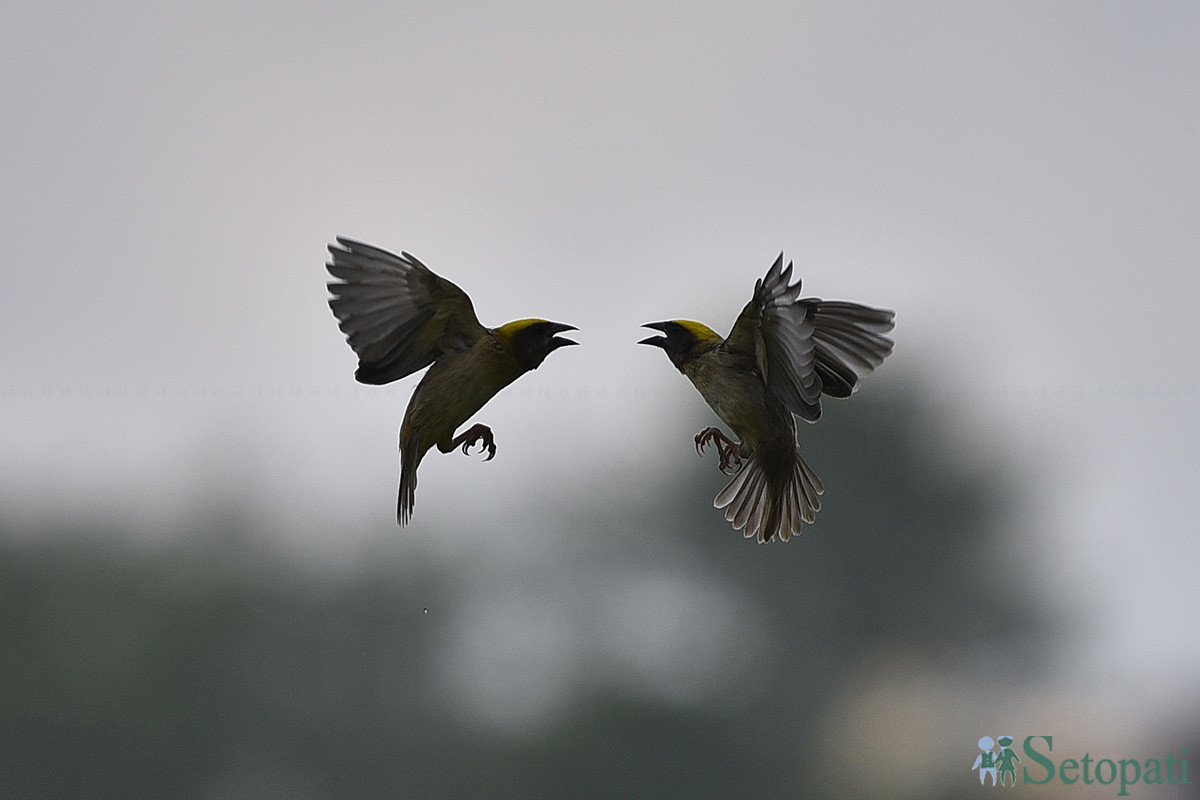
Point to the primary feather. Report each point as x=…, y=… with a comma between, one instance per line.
x=398, y=315
x=808, y=347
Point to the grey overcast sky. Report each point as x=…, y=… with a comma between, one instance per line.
x=1020, y=181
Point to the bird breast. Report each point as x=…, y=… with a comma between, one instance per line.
x=737, y=395
x=457, y=386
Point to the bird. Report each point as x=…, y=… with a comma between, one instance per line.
x=783, y=353
x=400, y=317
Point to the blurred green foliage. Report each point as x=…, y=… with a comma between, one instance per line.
x=215, y=668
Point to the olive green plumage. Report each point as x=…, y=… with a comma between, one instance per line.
x=782, y=354
x=400, y=317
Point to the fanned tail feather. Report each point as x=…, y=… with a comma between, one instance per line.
x=768, y=508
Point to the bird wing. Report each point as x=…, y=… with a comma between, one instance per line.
x=398, y=315
x=850, y=342
x=776, y=330
x=808, y=347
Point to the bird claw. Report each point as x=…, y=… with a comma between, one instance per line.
x=477, y=434
x=727, y=449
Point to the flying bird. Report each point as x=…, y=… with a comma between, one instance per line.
x=782, y=354
x=400, y=317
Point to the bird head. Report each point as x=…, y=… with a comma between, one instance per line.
x=683, y=338
x=532, y=340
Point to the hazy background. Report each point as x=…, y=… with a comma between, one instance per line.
x=206, y=594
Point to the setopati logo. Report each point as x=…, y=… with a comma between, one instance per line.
x=997, y=761
x=989, y=762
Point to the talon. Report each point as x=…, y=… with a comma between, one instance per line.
x=727, y=449
x=476, y=434
x=730, y=464
x=706, y=436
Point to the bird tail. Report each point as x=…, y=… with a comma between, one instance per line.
x=410, y=457
x=772, y=495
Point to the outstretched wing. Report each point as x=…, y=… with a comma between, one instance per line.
x=397, y=314
x=806, y=348
x=850, y=342
x=775, y=328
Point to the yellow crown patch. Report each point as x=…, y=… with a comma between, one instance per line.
x=702, y=332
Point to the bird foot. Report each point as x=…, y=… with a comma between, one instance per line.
x=727, y=449
x=477, y=434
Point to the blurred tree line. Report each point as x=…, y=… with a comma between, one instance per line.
x=213, y=668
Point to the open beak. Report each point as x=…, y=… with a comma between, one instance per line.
x=560, y=341
x=657, y=341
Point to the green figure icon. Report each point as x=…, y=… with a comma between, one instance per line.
x=985, y=762
x=1006, y=761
